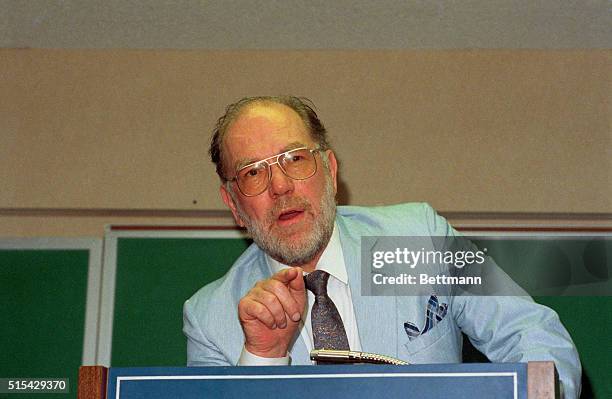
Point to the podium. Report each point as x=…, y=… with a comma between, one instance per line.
x=468, y=380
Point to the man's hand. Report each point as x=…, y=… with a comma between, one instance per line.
x=270, y=313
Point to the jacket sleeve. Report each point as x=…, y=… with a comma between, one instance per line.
x=514, y=328
x=200, y=350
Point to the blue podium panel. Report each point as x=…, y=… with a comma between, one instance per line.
x=507, y=380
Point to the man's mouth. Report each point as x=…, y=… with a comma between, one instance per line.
x=290, y=215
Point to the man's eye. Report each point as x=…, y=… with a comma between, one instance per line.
x=294, y=158
x=252, y=172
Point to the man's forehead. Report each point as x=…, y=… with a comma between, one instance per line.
x=266, y=118
x=263, y=131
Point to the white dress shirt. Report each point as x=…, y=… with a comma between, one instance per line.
x=331, y=261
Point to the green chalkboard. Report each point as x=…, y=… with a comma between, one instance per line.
x=154, y=277
x=588, y=320
x=43, y=305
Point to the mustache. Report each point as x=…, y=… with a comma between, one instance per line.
x=286, y=203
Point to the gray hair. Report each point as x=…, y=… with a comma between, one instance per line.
x=301, y=105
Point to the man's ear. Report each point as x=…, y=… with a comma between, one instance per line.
x=333, y=168
x=227, y=199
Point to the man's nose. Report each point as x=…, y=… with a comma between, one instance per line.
x=280, y=183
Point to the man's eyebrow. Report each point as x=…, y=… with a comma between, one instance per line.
x=291, y=146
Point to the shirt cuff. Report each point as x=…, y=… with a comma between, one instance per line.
x=249, y=359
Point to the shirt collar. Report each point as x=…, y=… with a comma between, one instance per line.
x=332, y=259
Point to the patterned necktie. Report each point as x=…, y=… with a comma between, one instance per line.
x=327, y=327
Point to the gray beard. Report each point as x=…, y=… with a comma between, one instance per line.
x=295, y=253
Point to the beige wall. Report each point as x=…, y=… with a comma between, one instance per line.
x=89, y=137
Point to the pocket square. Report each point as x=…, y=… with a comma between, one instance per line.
x=434, y=313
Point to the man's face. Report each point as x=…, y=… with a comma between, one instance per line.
x=293, y=219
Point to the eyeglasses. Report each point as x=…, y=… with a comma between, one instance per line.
x=254, y=178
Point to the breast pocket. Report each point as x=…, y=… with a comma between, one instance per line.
x=438, y=345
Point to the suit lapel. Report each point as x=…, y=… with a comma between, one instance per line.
x=376, y=315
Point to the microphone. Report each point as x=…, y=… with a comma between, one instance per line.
x=338, y=356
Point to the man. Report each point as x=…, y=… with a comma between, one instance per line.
x=279, y=179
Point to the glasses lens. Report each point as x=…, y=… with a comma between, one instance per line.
x=298, y=164
x=254, y=179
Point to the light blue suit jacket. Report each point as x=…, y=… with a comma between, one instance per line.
x=505, y=328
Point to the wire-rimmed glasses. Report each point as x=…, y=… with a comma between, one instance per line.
x=254, y=178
